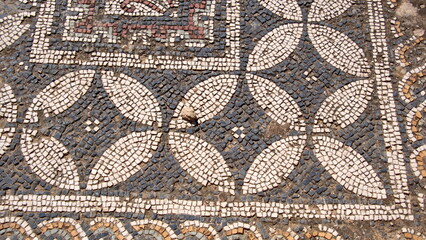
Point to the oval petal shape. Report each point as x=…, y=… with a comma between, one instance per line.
x=11, y=28
x=339, y=50
x=123, y=159
x=61, y=94
x=274, y=164
x=204, y=101
x=325, y=10
x=275, y=46
x=345, y=105
x=133, y=99
x=201, y=160
x=288, y=9
x=8, y=104
x=348, y=167
x=49, y=159
x=8, y=113
x=6, y=137
x=276, y=102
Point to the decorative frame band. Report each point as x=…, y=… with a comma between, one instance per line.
x=41, y=52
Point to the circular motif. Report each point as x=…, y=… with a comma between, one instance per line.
x=57, y=234
x=108, y=229
x=104, y=233
x=195, y=236
x=418, y=124
x=149, y=235
x=323, y=233
x=61, y=229
x=418, y=161
x=153, y=230
x=403, y=51
x=197, y=233
x=277, y=234
x=240, y=237
x=12, y=228
x=196, y=230
x=320, y=236
x=242, y=231
x=412, y=84
x=12, y=233
x=421, y=162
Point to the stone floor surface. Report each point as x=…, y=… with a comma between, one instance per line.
x=212, y=119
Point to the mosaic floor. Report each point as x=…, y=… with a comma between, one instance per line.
x=212, y=119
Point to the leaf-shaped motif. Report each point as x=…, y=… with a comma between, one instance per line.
x=275, y=46
x=201, y=160
x=339, y=50
x=132, y=98
x=345, y=105
x=274, y=164
x=61, y=94
x=123, y=159
x=8, y=104
x=326, y=9
x=11, y=28
x=6, y=137
x=288, y=9
x=49, y=159
x=8, y=113
x=348, y=167
x=276, y=102
x=204, y=101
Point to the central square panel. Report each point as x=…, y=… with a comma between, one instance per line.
x=144, y=34
x=148, y=27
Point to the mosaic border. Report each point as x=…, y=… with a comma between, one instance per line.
x=400, y=209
